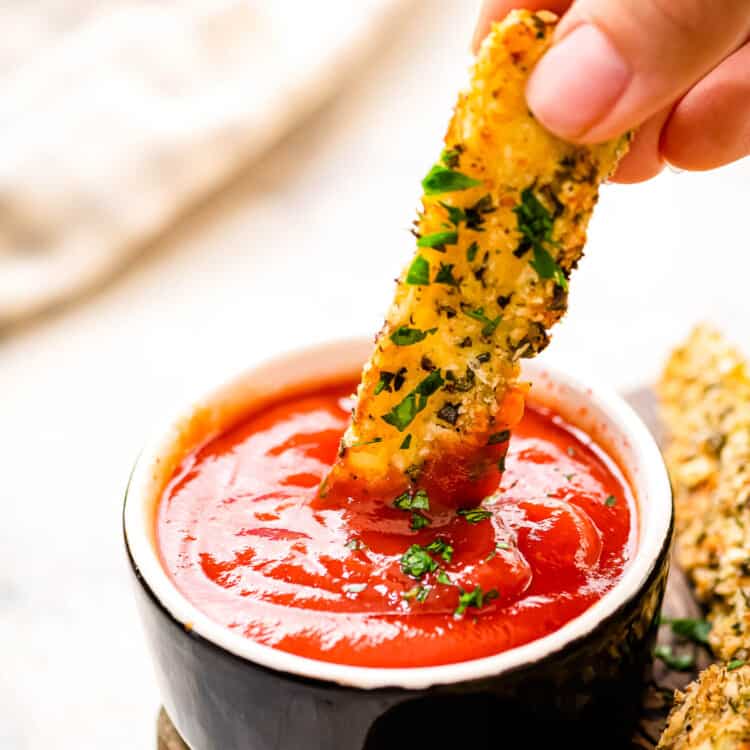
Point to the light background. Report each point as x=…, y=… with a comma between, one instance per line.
x=302, y=247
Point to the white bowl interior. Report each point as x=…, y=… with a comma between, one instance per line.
x=602, y=414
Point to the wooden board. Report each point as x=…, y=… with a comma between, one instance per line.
x=657, y=698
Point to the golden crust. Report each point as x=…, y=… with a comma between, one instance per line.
x=705, y=401
x=503, y=223
x=712, y=714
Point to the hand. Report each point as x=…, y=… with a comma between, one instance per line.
x=678, y=70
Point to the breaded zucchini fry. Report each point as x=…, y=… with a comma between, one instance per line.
x=705, y=402
x=705, y=397
x=712, y=714
x=503, y=223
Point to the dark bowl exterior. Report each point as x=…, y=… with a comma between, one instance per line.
x=586, y=694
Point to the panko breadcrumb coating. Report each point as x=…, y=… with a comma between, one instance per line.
x=712, y=714
x=503, y=224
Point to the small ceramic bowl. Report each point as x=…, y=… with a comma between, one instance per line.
x=225, y=691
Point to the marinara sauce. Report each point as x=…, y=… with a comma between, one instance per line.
x=393, y=582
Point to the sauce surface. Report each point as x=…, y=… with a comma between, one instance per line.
x=245, y=537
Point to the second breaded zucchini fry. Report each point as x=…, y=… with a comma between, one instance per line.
x=503, y=223
x=705, y=397
x=712, y=714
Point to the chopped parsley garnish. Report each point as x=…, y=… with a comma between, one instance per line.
x=459, y=385
x=405, y=443
x=489, y=325
x=442, y=179
x=445, y=275
x=438, y=240
x=688, y=627
x=448, y=412
x=419, y=272
x=442, y=577
x=680, y=662
x=499, y=437
x=474, y=215
x=416, y=562
x=455, y=214
x=366, y=442
x=735, y=664
x=420, y=593
x=503, y=545
x=403, y=413
x=471, y=252
x=353, y=544
x=441, y=547
x=475, y=515
x=535, y=223
x=418, y=521
x=450, y=156
x=571, y=451
x=405, y=336
x=390, y=381
x=610, y=501
x=476, y=598
x=418, y=501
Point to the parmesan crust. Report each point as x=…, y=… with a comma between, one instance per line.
x=503, y=223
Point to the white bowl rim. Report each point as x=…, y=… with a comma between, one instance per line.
x=652, y=539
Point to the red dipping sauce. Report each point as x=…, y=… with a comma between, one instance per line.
x=245, y=537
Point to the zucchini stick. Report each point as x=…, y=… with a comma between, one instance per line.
x=503, y=224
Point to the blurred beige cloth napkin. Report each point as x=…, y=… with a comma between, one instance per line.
x=116, y=116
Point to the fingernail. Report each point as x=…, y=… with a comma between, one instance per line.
x=577, y=82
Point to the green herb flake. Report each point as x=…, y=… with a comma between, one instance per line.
x=403, y=413
x=442, y=179
x=418, y=501
x=503, y=545
x=442, y=577
x=450, y=156
x=354, y=544
x=419, y=272
x=418, y=521
x=735, y=664
x=489, y=324
x=471, y=252
x=571, y=451
x=688, y=627
x=441, y=547
x=438, y=240
x=405, y=443
x=679, y=662
x=448, y=412
x=416, y=562
x=535, y=224
x=476, y=598
x=475, y=515
x=366, y=442
x=455, y=214
x=499, y=437
x=445, y=275
x=610, y=501
x=405, y=336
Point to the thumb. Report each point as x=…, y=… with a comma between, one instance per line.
x=617, y=62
